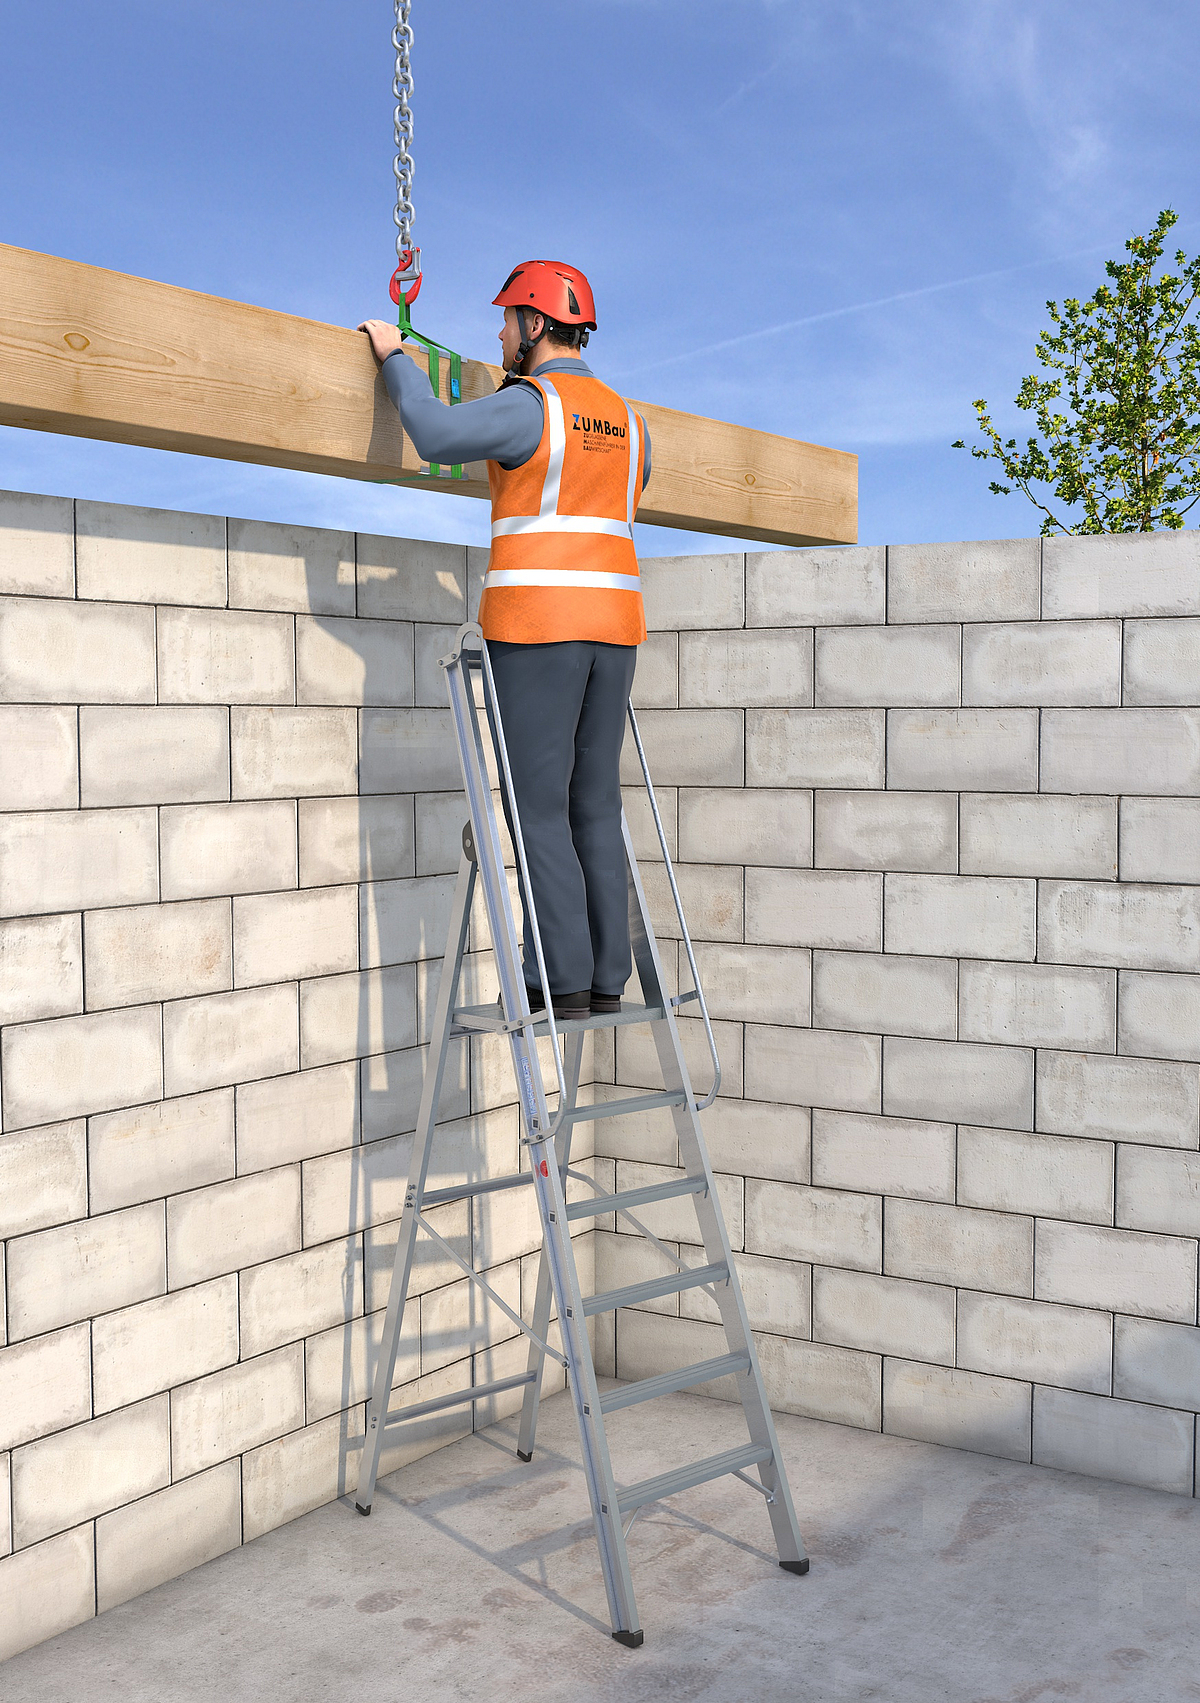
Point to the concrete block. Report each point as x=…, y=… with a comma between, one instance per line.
x=669, y=1220
x=229, y=1225
x=856, y=1309
x=301, y=1294
x=700, y=592
x=441, y=817
x=478, y=984
x=638, y=1066
x=640, y=819
x=408, y=750
x=224, y=1038
x=357, y=839
x=1103, y=1438
x=460, y=1319
x=355, y=1015
x=936, y=1243
x=622, y=1259
x=339, y=1364
x=1162, y=662
x=764, y=825
x=1131, y=1098
x=210, y=849
x=69, y=1066
x=411, y=579
x=736, y=669
x=1116, y=751
x=287, y=1118
x=64, y=861
x=887, y=830
x=144, y=1349
x=1137, y=927
x=1038, y=1005
x=295, y=1474
x=823, y=1226
x=41, y=968
x=286, y=936
x=1158, y=1190
x=1067, y=1346
x=58, y=651
x=756, y=984
x=134, y=555
x=1129, y=573
x=888, y=665
x=353, y=661
x=823, y=588
x=43, y=1178
x=825, y=747
x=431, y=1267
x=39, y=757
x=160, y=1149
x=1034, y=662
x=688, y=748
x=59, y=1276
x=1156, y=1362
x=1160, y=839
x=161, y=755
x=236, y=1409
x=753, y=1138
x=1050, y=1176
x=211, y=656
x=841, y=1385
x=5, y=1511
x=1039, y=834
x=167, y=1534
x=1158, y=1016
x=885, y=993
x=648, y=1343
x=650, y=1136
x=820, y=907
x=711, y=895
x=37, y=546
x=885, y=1156
x=303, y=568
x=390, y=1091
x=46, y=1590
x=953, y=1081
x=656, y=683
x=401, y=921
x=959, y=1410
x=960, y=916
x=62, y=1480
x=995, y=579
x=153, y=952
x=45, y=1385
x=777, y=1293
x=430, y=643
x=969, y=749
x=813, y=1067
x=293, y=753
x=1124, y=1271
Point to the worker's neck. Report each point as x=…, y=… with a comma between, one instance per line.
x=543, y=352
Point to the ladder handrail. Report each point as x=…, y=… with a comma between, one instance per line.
x=701, y=1105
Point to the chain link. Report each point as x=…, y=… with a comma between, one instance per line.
x=402, y=166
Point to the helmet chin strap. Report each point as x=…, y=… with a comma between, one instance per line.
x=526, y=342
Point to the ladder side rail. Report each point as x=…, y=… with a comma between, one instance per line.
x=687, y=939
x=431, y=1088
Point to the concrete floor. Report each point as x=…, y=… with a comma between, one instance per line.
x=936, y=1575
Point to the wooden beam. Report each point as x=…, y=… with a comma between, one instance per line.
x=100, y=354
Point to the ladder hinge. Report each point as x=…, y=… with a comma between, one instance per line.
x=468, y=843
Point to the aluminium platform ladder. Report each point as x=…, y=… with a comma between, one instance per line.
x=547, y=1134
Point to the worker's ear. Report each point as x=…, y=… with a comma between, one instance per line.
x=537, y=327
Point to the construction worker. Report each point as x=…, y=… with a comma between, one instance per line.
x=561, y=609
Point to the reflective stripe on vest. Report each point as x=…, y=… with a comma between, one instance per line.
x=562, y=576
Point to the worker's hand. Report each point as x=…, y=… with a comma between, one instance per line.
x=385, y=338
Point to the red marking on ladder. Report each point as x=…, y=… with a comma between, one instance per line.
x=544, y=1168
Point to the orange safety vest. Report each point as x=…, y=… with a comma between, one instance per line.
x=562, y=564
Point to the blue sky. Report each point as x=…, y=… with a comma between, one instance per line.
x=835, y=219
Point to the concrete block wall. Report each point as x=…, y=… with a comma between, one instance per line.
x=937, y=815
x=229, y=817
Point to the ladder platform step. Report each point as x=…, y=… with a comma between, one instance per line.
x=675, y=1284
x=602, y=1203
x=666, y=1383
x=700, y=1472
x=459, y=1398
x=488, y=1019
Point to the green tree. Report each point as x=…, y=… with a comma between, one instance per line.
x=1117, y=406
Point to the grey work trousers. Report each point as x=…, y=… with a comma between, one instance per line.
x=563, y=708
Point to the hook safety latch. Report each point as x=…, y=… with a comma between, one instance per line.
x=407, y=272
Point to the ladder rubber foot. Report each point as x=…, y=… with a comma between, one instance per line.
x=365, y=1512
x=800, y=1567
x=522, y=1456
x=631, y=1640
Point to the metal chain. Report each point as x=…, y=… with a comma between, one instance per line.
x=402, y=166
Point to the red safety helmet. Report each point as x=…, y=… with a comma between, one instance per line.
x=562, y=293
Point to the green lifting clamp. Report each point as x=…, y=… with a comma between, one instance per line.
x=433, y=350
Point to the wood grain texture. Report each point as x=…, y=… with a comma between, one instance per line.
x=100, y=354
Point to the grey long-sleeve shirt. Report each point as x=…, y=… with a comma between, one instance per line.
x=505, y=427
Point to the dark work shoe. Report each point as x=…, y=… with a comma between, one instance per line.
x=568, y=1007
x=605, y=1004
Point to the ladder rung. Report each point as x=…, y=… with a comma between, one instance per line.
x=679, y=999
x=464, y=1191
x=670, y=1483
x=622, y=1108
x=628, y=1395
x=654, y=1287
x=477, y=1392
x=601, y=1203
